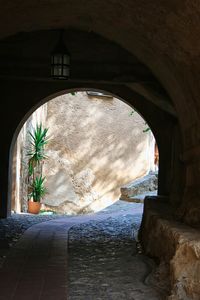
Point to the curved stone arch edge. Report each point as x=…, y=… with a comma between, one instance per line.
x=45, y=100
x=161, y=67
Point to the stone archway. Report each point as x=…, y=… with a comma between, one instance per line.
x=125, y=76
x=117, y=144
x=163, y=36
x=164, y=184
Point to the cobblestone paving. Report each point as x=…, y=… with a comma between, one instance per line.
x=104, y=263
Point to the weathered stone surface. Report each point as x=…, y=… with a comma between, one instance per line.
x=103, y=259
x=139, y=186
x=181, y=250
x=88, y=141
x=83, y=181
x=60, y=189
x=140, y=197
x=185, y=268
x=189, y=210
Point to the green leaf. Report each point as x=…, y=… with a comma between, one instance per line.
x=131, y=113
x=146, y=130
x=38, y=190
x=38, y=139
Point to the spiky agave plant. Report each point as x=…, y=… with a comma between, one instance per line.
x=38, y=189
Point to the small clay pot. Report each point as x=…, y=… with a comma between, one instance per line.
x=34, y=207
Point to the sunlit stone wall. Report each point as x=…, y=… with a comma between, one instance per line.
x=96, y=146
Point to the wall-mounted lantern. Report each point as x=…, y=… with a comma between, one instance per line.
x=60, y=60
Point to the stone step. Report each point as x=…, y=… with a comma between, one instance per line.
x=138, y=198
x=139, y=187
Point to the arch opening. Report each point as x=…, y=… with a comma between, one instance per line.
x=98, y=144
x=116, y=70
x=164, y=49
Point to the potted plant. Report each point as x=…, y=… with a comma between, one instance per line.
x=38, y=190
x=36, y=154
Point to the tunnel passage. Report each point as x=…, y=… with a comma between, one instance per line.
x=114, y=70
x=163, y=36
x=124, y=76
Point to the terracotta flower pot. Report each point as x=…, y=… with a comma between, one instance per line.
x=34, y=207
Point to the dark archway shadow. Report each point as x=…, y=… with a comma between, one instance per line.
x=29, y=90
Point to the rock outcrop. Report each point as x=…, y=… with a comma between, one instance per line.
x=181, y=251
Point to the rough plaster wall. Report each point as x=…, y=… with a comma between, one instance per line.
x=95, y=148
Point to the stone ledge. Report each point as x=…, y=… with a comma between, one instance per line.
x=174, y=243
x=139, y=186
x=139, y=198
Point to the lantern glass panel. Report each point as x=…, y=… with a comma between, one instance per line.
x=57, y=59
x=66, y=71
x=66, y=59
x=59, y=71
x=56, y=70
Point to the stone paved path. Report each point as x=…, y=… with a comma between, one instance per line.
x=104, y=263
x=101, y=263
x=13, y=227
